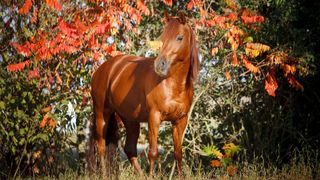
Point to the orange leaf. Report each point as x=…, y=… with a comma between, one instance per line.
x=168, y=2
x=143, y=7
x=46, y=109
x=235, y=58
x=271, y=84
x=54, y=4
x=215, y=163
x=278, y=57
x=18, y=66
x=252, y=19
x=294, y=83
x=25, y=51
x=190, y=5
x=33, y=73
x=58, y=78
x=249, y=65
x=34, y=17
x=26, y=7
x=44, y=121
x=102, y=28
x=233, y=16
x=227, y=74
x=214, y=51
x=52, y=123
x=93, y=42
x=288, y=69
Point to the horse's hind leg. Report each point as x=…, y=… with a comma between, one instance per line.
x=130, y=148
x=112, y=143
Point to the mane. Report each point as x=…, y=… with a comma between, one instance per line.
x=194, y=58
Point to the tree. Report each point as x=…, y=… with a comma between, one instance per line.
x=54, y=46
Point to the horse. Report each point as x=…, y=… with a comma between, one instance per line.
x=140, y=89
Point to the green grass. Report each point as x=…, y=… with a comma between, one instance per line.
x=292, y=171
x=303, y=166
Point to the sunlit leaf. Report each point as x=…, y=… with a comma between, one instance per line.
x=25, y=51
x=214, y=51
x=215, y=163
x=168, y=2
x=271, y=84
x=252, y=68
x=154, y=45
x=25, y=7
x=18, y=66
x=55, y=4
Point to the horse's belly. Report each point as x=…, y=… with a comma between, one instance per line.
x=130, y=107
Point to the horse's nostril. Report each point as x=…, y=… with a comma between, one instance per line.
x=161, y=67
x=162, y=64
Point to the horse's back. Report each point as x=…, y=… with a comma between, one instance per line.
x=119, y=84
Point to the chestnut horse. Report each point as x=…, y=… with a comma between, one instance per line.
x=140, y=89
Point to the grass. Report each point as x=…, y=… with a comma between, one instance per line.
x=292, y=171
x=303, y=166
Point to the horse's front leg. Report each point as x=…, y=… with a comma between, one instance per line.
x=153, y=126
x=179, y=127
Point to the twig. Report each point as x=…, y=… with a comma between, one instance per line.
x=172, y=170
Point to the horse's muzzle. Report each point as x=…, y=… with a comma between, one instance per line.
x=161, y=67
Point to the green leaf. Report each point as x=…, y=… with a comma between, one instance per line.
x=22, y=141
x=40, y=136
x=2, y=105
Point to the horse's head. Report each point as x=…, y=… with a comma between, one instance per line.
x=179, y=46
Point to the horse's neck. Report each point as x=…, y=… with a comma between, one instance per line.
x=180, y=73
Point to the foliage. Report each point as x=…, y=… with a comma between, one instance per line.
x=223, y=159
x=50, y=48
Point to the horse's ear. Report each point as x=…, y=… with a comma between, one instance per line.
x=166, y=16
x=182, y=17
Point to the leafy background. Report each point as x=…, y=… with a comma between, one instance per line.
x=257, y=88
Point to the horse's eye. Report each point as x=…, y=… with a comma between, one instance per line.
x=179, y=38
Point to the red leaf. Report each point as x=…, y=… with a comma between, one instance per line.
x=252, y=19
x=96, y=56
x=93, y=42
x=43, y=53
x=214, y=51
x=235, y=58
x=233, y=16
x=21, y=49
x=58, y=77
x=54, y=4
x=18, y=66
x=34, y=15
x=249, y=65
x=44, y=121
x=109, y=49
x=168, y=2
x=190, y=5
x=102, y=28
x=227, y=74
x=26, y=7
x=271, y=84
x=67, y=29
x=293, y=82
x=143, y=7
x=33, y=73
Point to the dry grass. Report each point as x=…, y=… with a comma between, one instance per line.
x=300, y=168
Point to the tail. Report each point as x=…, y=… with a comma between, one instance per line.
x=112, y=137
x=112, y=144
x=91, y=160
x=112, y=131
